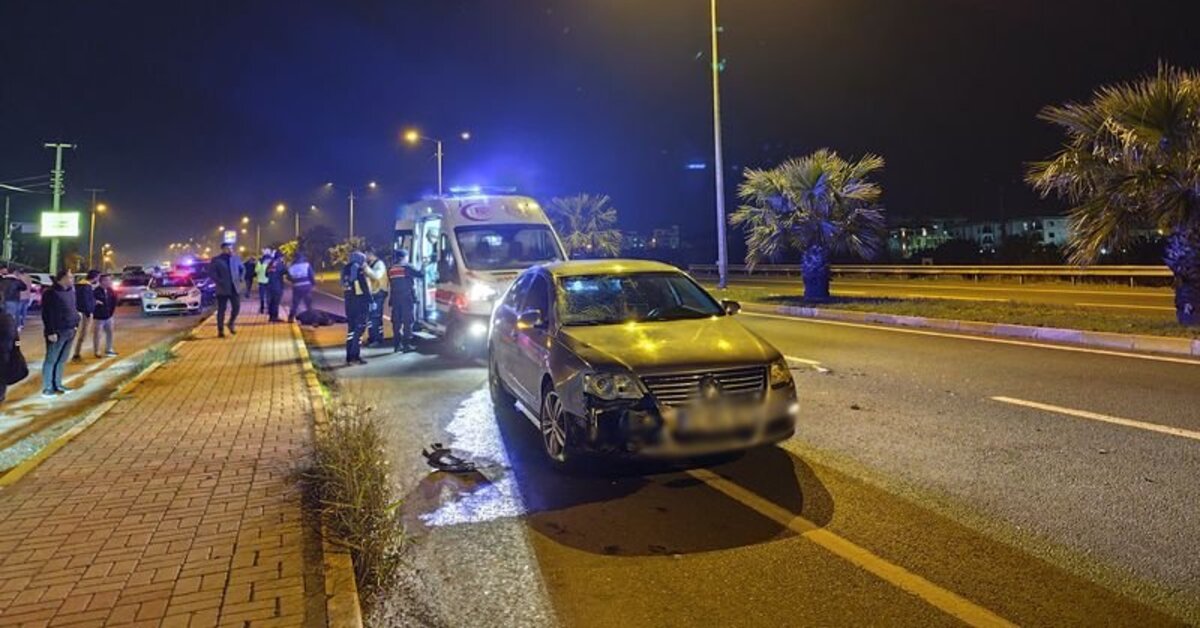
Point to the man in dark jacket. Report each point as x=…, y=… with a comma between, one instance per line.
x=102, y=317
x=402, y=278
x=85, y=303
x=11, y=288
x=248, y=273
x=9, y=339
x=275, y=273
x=59, y=321
x=225, y=278
x=357, y=296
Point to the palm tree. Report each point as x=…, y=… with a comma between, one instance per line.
x=818, y=205
x=1131, y=161
x=587, y=225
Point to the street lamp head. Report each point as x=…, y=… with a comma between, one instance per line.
x=466, y=135
x=220, y=228
x=329, y=184
x=281, y=208
x=372, y=185
x=412, y=136
x=245, y=220
x=102, y=208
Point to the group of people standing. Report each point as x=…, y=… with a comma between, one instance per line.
x=69, y=309
x=269, y=273
x=367, y=281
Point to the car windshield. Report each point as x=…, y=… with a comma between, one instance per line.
x=172, y=282
x=501, y=247
x=640, y=297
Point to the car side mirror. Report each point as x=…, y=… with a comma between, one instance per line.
x=731, y=307
x=530, y=319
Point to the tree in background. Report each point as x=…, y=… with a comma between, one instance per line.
x=587, y=225
x=339, y=254
x=1131, y=161
x=318, y=239
x=818, y=205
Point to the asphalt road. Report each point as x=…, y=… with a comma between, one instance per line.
x=932, y=480
x=1082, y=295
x=26, y=419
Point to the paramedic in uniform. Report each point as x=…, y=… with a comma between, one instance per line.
x=357, y=296
x=402, y=278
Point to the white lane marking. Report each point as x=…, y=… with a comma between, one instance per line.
x=813, y=363
x=947, y=297
x=1166, y=308
x=943, y=599
x=1095, y=416
x=1002, y=341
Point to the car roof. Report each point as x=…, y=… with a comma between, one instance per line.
x=607, y=267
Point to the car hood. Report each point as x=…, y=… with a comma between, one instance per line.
x=669, y=345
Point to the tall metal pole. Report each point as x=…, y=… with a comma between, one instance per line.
x=439, y=160
x=718, y=160
x=297, y=225
x=92, y=229
x=56, y=183
x=351, y=213
x=7, y=232
x=257, y=238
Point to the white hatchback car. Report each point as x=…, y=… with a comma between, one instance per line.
x=171, y=294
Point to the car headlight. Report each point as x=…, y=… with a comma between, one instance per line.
x=480, y=292
x=149, y=295
x=612, y=386
x=779, y=373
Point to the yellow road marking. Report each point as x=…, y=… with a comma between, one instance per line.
x=1150, y=293
x=944, y=600
x=1104, y=418
x=1002, y=341
x=1133, y=307
x=947, y=297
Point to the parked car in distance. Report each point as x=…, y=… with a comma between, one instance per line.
x=171, y=294
x=632, y=357
x=129, y=288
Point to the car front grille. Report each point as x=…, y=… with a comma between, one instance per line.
x=677, y=389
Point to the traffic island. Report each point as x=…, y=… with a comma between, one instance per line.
x=179, y=504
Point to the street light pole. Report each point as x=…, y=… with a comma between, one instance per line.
x=351, y=213
x=7, y=254
x=439, y=164
x=56, y=183
x=92, y=229
x=718, y=160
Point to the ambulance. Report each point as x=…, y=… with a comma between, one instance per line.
x=470, y=246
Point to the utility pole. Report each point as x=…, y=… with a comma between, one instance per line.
x=351, y=213
x=92, y=229
x=718, y=160
x=439, y=160
x=7, y=231
x=56, y=184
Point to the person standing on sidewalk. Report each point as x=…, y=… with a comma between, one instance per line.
x=10, y=338
x=300, y=275
x=403, y=279
x=59, y=321
x=357, y=295
x=85, y=303
x=26, y=299
x=225, y=273
x=377, y=280
x=260, y=278
x=251, y=271
x=275, y=272
x=106, y=306
x=11, y=289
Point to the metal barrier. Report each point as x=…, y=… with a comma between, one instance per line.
x=1074, y=273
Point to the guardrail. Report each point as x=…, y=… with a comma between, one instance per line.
x=1073, y=273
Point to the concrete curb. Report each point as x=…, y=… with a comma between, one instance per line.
x=29, y=464
x=1103, y=340
x=342, y=604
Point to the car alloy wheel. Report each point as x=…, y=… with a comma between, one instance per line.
x=554, y=427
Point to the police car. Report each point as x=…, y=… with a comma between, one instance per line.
x=171, y=294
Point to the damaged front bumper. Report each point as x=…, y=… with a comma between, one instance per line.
x=643, y=428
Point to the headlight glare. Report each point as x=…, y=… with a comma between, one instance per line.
x=480, y=292
x=149, y=295
x=612, y=386
x=780, y=374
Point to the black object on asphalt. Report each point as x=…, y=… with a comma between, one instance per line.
x=442, y=459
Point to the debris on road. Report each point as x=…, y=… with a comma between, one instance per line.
x=443, y=459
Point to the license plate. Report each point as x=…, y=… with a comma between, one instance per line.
x=717, y=418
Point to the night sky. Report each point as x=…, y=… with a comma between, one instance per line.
x=193, y=116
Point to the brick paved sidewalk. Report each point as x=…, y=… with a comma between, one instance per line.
x=178, y=507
